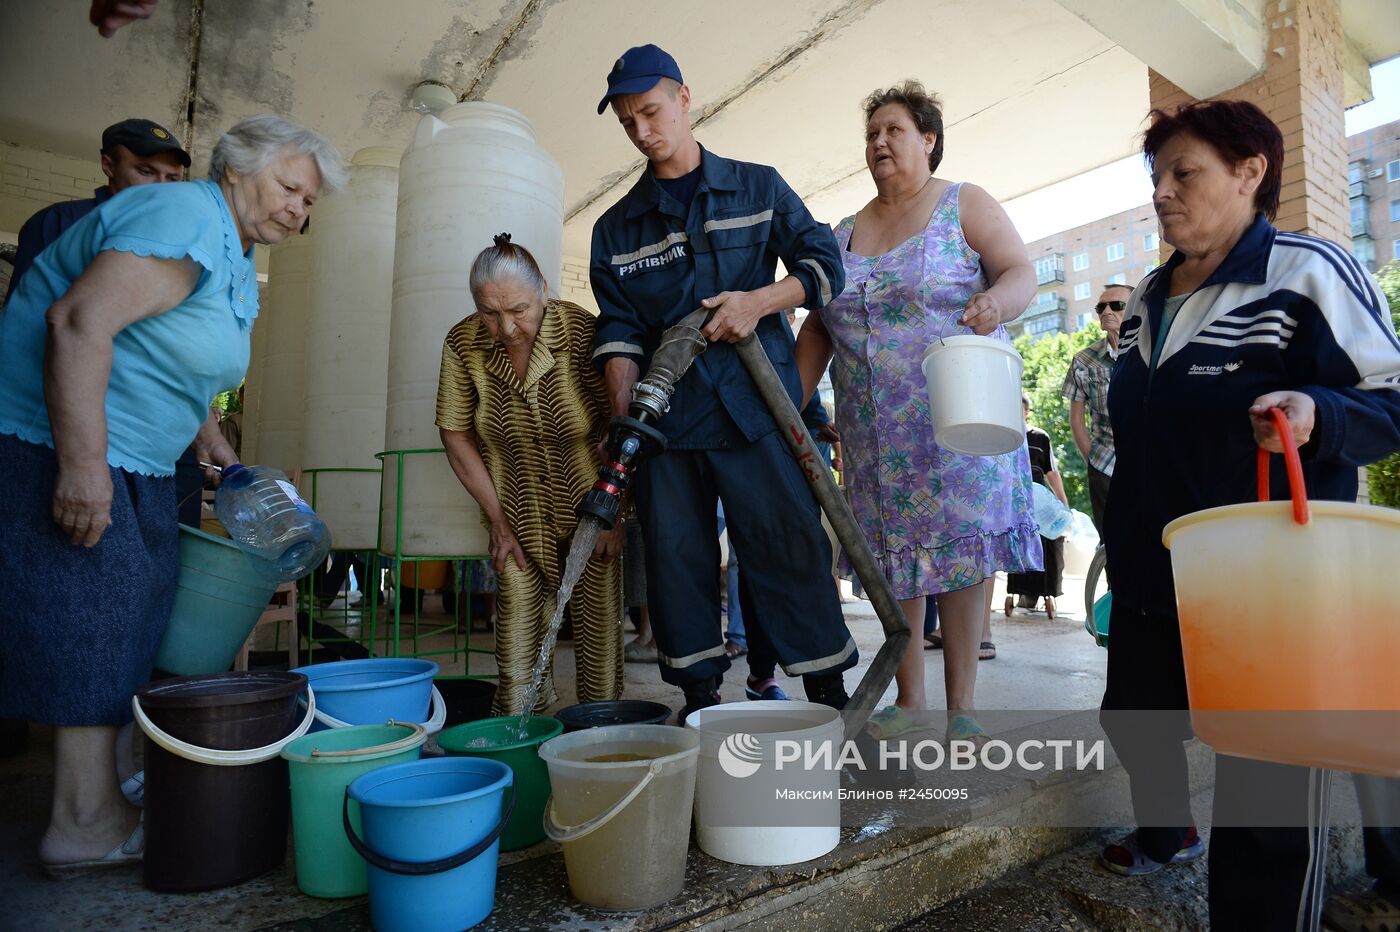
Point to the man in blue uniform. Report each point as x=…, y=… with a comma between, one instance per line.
x=133, y=152
x=697, y=229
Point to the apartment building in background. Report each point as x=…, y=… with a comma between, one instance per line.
x=1072, y=268
x=1373, y=185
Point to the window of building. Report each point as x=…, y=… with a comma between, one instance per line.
x=1392, y=170
x=1363, y=249
x=1358, y=212
x=1081, y=261
x=1356, y=172
x=1081, y=291
x=1394, y=212
x=1081, y=322
x=1149, y=242
x=1117, y=278
x=1395, y=249
x=1115, y=252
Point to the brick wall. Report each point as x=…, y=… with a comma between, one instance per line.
x=574, y=286
x=31, y=180
x=1301, y=90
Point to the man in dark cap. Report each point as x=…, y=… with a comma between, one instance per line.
x=133, y=152
x=697, y=229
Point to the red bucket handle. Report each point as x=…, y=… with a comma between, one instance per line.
x=1294, y=464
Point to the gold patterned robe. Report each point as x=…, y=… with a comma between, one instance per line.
x=539, y=440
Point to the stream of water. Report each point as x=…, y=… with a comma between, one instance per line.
x=585, y=537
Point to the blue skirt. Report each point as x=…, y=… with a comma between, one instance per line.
x=79, y=627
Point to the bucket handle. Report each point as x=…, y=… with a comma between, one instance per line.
x=437, y=716
x=1294, y=464
x=561, y=833
x=419, y=733
x=215, y=756
x=420, y=869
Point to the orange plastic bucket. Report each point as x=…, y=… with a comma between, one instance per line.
x=1290, y=627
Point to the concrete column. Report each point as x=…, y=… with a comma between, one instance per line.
x=1301, y=89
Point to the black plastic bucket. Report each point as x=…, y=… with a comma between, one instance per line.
x=211, y=826
x=613, y=712
x=467, y=700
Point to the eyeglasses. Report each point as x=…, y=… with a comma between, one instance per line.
x=1110, y=305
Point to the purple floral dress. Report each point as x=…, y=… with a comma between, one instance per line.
x=937, y=520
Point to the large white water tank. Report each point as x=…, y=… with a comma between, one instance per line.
x=471, y=172
x=347, y=346
x=284, y=304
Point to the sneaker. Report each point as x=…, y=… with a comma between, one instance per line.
x=765, y=689
x=1126, y=858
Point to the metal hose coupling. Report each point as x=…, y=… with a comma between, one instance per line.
x=633, y=437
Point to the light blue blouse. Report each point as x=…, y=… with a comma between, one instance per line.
x=165, y=369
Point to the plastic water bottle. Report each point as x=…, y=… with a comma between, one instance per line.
x=267, y=517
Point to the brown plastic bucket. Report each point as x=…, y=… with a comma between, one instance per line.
x=214, y=816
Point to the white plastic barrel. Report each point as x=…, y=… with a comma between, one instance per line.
x=974, y=394
x=471, y=172
x=283, y=385
x=347, y=346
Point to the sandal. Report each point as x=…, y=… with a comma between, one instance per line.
x=986, y=651
x=890, y=722
x=1050, y=607
x=1126, y=858
x=1010, y=606
x=637, y=652
x=134, y=789
x=128, y=852
x=963, y=727
x=1371, y=911
x=933, y=642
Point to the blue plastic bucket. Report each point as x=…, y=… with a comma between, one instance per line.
x=219, y=598
x=432, y=838
x=373, y=691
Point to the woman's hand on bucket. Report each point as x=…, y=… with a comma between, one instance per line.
x=82, y=502
x=1298, y=408
x=982, y=314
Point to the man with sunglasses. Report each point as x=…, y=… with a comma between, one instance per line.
x=1086, y=387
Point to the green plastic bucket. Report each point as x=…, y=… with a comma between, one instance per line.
x=495, y=738
x=322, y=765
x=220, y=596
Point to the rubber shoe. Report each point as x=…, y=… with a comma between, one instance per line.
x=695, y=700
x=765, y=689
x=1126, y=858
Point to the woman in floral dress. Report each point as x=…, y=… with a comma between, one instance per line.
x=926, y=258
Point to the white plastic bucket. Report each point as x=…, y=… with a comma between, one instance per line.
x=738, y=760
x=974, y=391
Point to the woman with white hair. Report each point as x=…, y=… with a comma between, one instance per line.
x=114, y=345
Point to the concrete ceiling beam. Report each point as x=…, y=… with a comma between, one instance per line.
x=1205, y=47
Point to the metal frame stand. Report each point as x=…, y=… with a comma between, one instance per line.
x=396, y=558
x=339, y=619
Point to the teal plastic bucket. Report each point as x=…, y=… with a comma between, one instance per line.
x=219, y=598
x=432, y=839
x=496, y=739
x=321, y=766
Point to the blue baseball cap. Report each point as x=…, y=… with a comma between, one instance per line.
x=637, y=72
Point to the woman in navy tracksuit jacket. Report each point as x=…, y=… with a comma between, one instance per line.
x=1241, y=318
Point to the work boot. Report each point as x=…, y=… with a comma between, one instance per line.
x=700, y=695
x=826, y=689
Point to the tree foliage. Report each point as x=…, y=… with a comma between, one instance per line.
x=1047, y=360
x=1384, y=477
